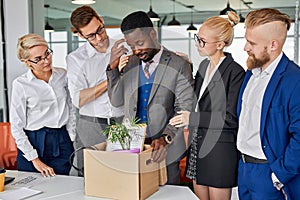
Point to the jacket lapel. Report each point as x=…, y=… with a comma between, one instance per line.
x=200, y=76
x=243, y=87
x=270, y=90
x=133, y=67
x=160, y=72
x=218, y=74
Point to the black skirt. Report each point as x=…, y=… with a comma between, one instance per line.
x=213, y=158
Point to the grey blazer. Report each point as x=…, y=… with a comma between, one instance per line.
x=172, y=90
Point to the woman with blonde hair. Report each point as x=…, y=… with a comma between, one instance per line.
x=212, y=156
x=41, y=113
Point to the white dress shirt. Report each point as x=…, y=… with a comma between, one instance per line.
x=248, y=137
x=36, y=104
x=86, y=69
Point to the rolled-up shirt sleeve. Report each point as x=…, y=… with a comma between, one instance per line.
x=18, y=121
x=76, y=79
x=71, y=125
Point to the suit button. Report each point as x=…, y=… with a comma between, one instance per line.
x=200, y=137
x=134, y=109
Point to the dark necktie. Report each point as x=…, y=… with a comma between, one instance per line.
x=146, y=69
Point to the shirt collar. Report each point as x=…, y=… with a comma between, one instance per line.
x=269, y=69
x=156, y=57
x=31, y=76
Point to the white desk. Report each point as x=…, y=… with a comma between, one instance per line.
x=72, y=188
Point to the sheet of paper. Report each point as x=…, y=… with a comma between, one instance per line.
x=18, y=193
x=28, y=181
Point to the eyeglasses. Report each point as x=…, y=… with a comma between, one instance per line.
x=38, y=59
x=201, y=42
x=92, y=36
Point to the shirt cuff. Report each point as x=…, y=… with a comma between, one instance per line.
x=276, y=183
x=31, y=155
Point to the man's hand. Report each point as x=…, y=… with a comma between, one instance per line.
x=159, y=149
x=116, y=52
x=43, y=168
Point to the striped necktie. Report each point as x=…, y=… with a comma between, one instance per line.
x=146, y=69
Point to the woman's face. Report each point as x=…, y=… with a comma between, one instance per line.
x=206, y=41
x=40, y=59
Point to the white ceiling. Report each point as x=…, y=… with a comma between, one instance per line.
x=114, y=10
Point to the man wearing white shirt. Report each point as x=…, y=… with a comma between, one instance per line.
x=87, y=79
x=269, y=112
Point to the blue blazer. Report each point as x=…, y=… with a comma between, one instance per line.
x=280, y=124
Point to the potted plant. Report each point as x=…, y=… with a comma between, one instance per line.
x=122, y=132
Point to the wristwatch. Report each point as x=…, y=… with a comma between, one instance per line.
x=168, y=139
x=108, y=68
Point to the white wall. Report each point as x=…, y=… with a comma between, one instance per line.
x=18, y=14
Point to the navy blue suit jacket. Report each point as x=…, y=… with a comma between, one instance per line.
x=280, y=124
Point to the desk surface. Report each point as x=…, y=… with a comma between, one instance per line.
x=72, y=188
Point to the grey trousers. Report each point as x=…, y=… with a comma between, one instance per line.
x=87, y=134
x=173, y=173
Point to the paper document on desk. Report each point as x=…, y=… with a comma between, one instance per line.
x=25, y=180
x=18, y=193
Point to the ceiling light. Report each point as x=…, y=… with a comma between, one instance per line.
x=152, y=15
x=242, y=19
x=174, y=22
x=48, y=27
x=191, y=28
x=227, y=9
x=83, y=1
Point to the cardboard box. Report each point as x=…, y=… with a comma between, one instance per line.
x=118, y=175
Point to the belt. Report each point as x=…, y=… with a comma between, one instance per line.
x=250, y=159
x=107, y=121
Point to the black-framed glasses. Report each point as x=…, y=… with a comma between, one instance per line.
x=92, y=36
x=201, y=42
x=38, y=59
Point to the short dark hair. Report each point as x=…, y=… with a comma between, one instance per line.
x=138, y=19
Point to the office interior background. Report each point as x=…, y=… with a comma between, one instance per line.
x=34, y=16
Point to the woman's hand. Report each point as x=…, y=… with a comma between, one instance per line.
x=43, y=168
x=180, y=120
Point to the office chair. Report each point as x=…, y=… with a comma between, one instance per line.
x=8, y=147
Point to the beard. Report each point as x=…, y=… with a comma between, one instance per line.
x=147, y=54
x=254, y=62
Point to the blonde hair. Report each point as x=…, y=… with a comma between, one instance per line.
x=223, y=27
x=26, y=42
x=266, y=15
